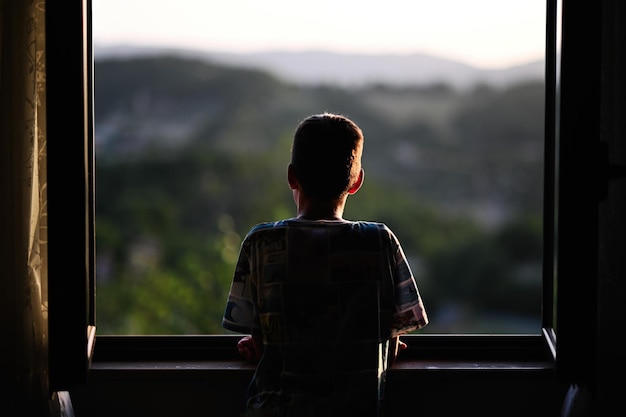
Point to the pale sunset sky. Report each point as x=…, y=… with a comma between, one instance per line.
x=484, y=33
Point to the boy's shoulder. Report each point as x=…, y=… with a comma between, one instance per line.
x=360, y=225
x=265, y=227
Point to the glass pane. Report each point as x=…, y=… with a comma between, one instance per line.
x=195, y=106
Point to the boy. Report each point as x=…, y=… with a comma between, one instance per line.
x=324, y=299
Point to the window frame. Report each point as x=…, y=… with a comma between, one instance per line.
x=74, y=346
x=580, y=181
x=70, y=168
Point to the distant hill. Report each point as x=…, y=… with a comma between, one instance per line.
x=350, y=70
x=478, y=150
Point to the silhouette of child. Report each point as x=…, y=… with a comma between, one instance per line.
x=322, y=300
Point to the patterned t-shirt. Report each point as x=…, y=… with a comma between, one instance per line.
x=327, y=296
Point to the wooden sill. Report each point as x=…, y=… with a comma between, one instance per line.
x=202, y=357
x=190, y=370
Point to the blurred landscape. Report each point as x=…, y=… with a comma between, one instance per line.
x=316, y=67
x=192, y=150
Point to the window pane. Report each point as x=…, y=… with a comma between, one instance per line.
x=194, y=111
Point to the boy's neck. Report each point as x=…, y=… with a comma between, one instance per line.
x=314, y=210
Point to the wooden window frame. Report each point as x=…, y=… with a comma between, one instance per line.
x=74, y=346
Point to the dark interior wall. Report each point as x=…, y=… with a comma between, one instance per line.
x=469, y=393
x=612, y=220
x=423, y=393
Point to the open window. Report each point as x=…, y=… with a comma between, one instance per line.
x=454, y=157
x=72, y=228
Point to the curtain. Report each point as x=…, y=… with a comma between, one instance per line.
x=23, y=214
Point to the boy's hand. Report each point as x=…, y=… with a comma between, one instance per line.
x=394, y=350
x=247, y=349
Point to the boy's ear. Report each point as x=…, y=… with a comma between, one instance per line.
x=291, y=178
x=358, y=183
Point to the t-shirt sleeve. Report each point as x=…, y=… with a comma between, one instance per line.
x=240, y=312
x=410, y=313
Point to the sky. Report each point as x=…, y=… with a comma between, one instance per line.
x=484, y=33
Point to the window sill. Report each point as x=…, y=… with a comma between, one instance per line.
x=191, y=357
x=402, y=366
x=180, y=375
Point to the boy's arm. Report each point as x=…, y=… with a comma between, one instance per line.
x=395, y=346
x=251, y=347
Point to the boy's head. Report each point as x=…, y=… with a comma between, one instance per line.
x=326, y=155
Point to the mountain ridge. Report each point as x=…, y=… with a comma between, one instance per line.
x=318, y=67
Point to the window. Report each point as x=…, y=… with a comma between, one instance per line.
x=69, y=74
x=460, y=157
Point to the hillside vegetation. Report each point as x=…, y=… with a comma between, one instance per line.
x=191, y=154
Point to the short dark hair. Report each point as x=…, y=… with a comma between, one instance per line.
x=326, y=155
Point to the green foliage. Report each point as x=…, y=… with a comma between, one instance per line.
x=190, y=155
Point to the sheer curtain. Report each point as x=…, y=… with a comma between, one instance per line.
x=23, y=215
